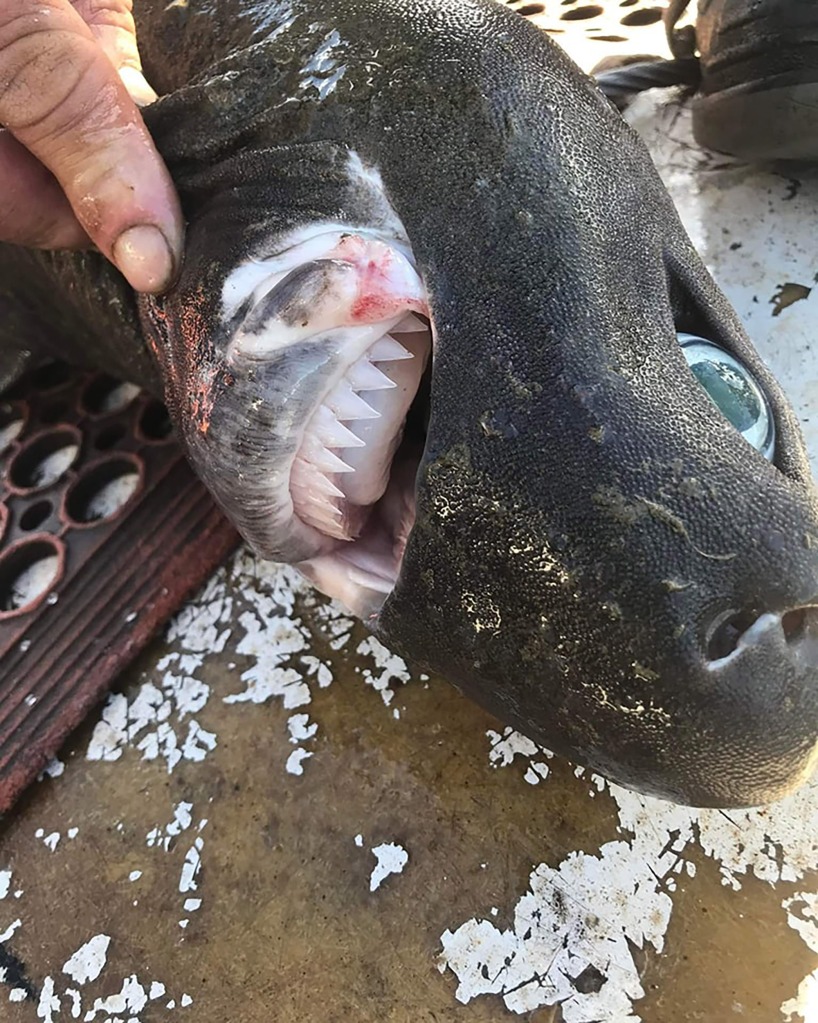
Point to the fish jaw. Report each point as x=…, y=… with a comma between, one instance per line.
x=299, y=431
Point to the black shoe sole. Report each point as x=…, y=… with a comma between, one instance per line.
x=768, y=125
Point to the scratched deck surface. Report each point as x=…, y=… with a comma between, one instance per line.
x=271, y=822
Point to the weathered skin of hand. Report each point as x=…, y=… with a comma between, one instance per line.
x=77, y=166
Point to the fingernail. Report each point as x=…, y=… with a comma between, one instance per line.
x=138, y=88
x=144, y=258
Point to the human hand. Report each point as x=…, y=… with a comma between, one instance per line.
x=77, y=165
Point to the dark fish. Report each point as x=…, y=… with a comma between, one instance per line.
x=602, y=530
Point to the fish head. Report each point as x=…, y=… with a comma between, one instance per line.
x=488, y=396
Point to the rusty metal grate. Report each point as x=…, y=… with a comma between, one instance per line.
x=104, y=531
x=591, y=31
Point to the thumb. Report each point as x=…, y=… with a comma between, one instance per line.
x=61, y=97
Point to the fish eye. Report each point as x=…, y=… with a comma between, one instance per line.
x=733, y=390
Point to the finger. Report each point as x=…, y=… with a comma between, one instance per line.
x=61, y=97
x=111, y=22
x=34, y=211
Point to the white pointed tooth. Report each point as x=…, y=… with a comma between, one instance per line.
x=321, y=485
x=387, y=349
x=328, y=462
x=347, y=405
x=319, y=455
x=321, y=509
x=331, y=433
x=363, y=376
x=410, y=324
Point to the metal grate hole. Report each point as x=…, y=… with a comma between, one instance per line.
x=27, y=572
x=12, y=421
x=103, y=491
x=35, y=515
x=646, y=16
x=582, y=13
x=154, y=423
x=105, y=394
x=44, y=460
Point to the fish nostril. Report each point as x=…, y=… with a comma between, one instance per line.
x=800, y=626
x=724, y=637
x=794, y=623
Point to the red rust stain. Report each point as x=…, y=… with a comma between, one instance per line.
x=202, y=400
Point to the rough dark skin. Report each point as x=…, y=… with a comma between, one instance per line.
x=585, y=514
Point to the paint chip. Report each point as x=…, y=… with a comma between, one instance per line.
x=392, y=858
x=9, y=931
x=296, y=760
x=88, y=962
x=300, y=728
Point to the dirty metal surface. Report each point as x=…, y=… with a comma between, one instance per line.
x=104, y=531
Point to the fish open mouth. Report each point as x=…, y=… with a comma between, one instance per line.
x=353, y=479
x=339, y=325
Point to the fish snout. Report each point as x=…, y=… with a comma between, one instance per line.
x=746, y=729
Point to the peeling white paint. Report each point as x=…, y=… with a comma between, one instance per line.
x=76, y=1002
x=805, y=1002
x=204, y=627
x=802, y=916
x=9, y=931
x=295, y=761
x=154, y=721
x=536, y=772
x=511, y=744
x=392, y=858
x=88, y=962
x=191, y=867
x=300, y=728
x=122, y=1006
x=582, y=914
x=388, y=669
x=182, y=820
x=55, y=768
x=49, y=1003
x=5, y=883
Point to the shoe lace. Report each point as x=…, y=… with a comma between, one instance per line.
x=634, y=75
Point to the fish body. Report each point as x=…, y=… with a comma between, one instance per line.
x=428, y=344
